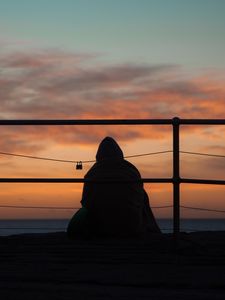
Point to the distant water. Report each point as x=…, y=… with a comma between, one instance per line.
x=10, y=227
x=190, y=225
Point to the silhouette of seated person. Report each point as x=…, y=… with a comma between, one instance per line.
x=116, y=209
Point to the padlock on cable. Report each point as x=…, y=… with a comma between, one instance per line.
x=79, y=165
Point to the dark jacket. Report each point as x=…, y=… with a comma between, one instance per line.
x=117, y=208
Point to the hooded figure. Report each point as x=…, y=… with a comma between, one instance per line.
x=116, y=208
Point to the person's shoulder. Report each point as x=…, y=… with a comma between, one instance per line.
x=91, y=170
x=131, y=167
x=97, y=168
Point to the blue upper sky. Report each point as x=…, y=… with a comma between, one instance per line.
x=190, y=33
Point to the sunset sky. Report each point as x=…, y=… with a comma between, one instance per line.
x=93, y=59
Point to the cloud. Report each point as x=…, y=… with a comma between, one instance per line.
x=55, y=84
x=216, y=148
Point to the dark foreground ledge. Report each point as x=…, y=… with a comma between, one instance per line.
x=49, y=266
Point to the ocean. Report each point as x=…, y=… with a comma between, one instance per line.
x=12, y=227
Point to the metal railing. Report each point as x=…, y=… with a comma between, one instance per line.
x=176, y=180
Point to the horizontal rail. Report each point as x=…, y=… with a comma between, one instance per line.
x=116, y=122
x=88, y=122
x=202, y=181
x=202, y=121
x=82, y=180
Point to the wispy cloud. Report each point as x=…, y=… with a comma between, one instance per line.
x=56, y=84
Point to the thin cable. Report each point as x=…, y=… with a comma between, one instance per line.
x=60, y=207
x=37, y=207
x=146, y=154
x=204, y=209
x=154, y=207
x=38, y=157
x=203, y=154
x=75, y=161
x=166, y=206
x=92, y=161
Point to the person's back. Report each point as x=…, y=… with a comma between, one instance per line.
x=114, y=208
x=119, y=207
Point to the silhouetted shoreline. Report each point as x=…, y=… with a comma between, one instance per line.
x=44, y=266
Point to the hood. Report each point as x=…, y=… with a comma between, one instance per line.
x=109, y=149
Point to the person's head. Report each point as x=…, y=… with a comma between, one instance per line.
x=109, y=149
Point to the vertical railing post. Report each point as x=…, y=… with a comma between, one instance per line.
x=176, y=179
